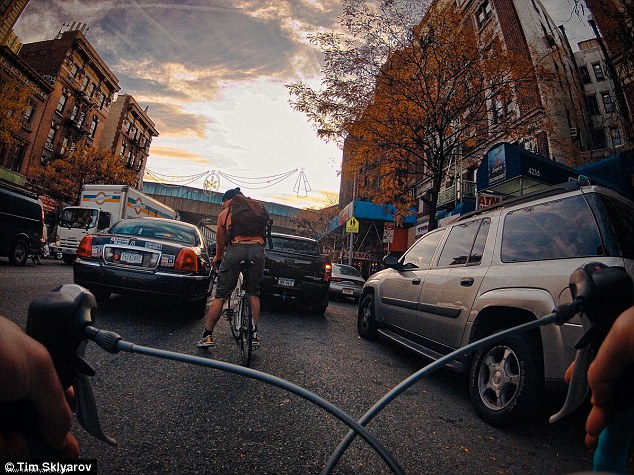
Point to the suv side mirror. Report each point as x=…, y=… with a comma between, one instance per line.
x=393, y=263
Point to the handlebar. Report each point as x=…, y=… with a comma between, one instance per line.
x=63, y=321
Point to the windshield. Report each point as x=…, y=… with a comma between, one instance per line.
x=164, y=230
x=347, y=270
x=79, y=218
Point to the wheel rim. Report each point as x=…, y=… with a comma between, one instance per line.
x=20, y=253
x=498, y=377
x=367, y=314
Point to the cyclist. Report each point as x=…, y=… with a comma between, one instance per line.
x=230, y=251
x=27, y=372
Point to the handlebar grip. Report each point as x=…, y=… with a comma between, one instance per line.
x=57, y=320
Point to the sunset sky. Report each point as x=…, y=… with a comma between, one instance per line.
x=213, y=73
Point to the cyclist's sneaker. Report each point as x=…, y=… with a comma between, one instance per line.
x=206, y=341
x=255, y=342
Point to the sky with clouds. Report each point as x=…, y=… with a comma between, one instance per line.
x=213, y=73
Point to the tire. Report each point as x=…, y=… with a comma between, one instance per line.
x=366, y=319
x=101, y=295
x=506, y=383
x=68, y=258
x=19, y=252
x=232, y=309
x=319, y=308
x=246, y=333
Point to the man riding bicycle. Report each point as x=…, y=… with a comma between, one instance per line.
x=235, y=244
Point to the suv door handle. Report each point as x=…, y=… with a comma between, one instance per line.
x=415, y=281
x=466, y=282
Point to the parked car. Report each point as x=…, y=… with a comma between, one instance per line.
x=346, y=282
x=494, y=269
x=21, y=224
x=149, y=258
x=295, y=269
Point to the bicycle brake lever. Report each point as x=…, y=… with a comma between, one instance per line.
x=57, y=320
x=603, y=293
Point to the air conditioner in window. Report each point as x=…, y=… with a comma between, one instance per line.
x=573, y=131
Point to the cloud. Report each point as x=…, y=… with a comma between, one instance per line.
x=178, y=154
x=172, y=121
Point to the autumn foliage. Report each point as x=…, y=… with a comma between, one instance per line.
x=14, y=97
x=63, y=178
x=435, y=99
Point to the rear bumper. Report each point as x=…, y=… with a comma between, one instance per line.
x=309, y=292
x=119, y=280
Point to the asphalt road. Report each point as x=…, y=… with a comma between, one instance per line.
x=175, y=418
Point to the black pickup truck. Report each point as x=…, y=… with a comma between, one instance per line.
x=295, y=269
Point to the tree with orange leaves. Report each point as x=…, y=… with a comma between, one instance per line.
x=63, y=178
x=440, y=91
x=14, y=96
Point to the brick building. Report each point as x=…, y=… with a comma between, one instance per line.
x=555, y=110
x=608, y=127
x=79, y=103
x=613, y=22
x=14, y=159
x=10, y=10
x=129, y=132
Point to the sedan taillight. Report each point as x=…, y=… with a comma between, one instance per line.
x=187, y=260
x=85, y=247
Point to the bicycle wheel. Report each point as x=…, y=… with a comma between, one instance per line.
x=246, y=330
x=233, y=314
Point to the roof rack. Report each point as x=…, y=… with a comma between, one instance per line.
x=566, y=187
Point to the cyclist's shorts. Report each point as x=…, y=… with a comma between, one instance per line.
x=230, y=269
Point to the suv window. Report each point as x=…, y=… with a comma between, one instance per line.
x=462, y=247
x=299, y=246
x=620, y=226
x=420, y=254
x=557, y=229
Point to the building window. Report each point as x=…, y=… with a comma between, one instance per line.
x=585, y=75
x=28, y=115
x=608, y=103
x=123, y=147
x=50, y=137
x=16, y=158
x=74, y=69
x=84, y=83
x=64, y=145
x=61, y=103
x=93, y=126
x=73, y=114
x=498, y=109
x=484, y=13
x=593, y=105
x=598, y=138
x=102, y=100
x=598, y=71
x=615, y=134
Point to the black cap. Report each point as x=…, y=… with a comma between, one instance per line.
x=231, y=193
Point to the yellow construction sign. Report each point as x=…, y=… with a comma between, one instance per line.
x=352, y=225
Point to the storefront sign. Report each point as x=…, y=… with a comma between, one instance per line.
x=421, y=229
x=486, y=199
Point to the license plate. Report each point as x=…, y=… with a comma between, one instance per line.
x=286, y=282
x=131, y=257
x=348, y=291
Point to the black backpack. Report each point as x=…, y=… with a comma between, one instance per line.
x=248, y=218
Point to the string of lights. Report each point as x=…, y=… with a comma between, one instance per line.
x=211, y=180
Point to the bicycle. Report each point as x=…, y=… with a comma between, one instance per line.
x=238, y=313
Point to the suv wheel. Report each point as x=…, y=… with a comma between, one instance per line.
x=366, y=320
x=507, y=380
x=19, y=252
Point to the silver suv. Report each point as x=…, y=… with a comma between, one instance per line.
x=494, y=269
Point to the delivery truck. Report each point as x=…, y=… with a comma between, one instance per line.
x=99, y=207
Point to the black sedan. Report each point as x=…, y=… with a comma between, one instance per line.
x=154, y=257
